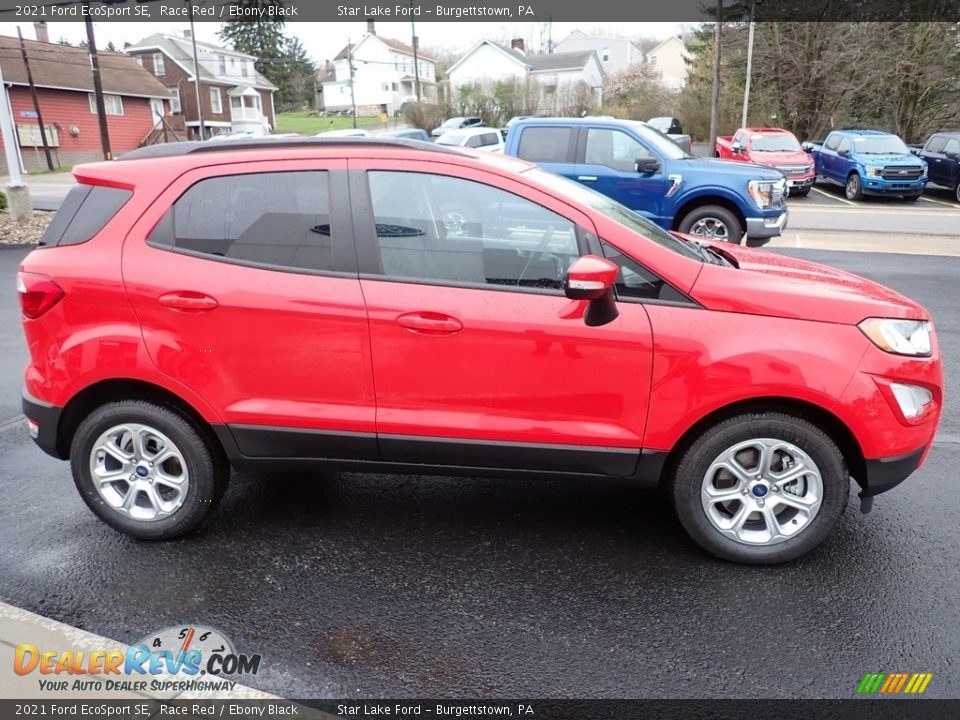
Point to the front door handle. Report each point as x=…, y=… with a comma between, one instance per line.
x=430, y=323
x=587, y=178
x=188, y=301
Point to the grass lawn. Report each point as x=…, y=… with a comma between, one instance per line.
x=307, y=123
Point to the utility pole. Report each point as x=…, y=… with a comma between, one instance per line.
x=18, y=194
x=416, y=64
x=353, y=97
x=196, y=70
x=746, y=87
x=98, y=89
x=36, y=101
x=715, y=100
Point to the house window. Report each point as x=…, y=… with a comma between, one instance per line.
x=175, y=100
x=653, y=59
x=139, y=59
x=216, y=101
x=243, y=68
x=113, y=104
x=605, y=55
x=222, y=61
x=158, y=68
x=385, y=87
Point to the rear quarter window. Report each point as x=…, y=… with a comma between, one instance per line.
x=84, y=212
x=545, y=144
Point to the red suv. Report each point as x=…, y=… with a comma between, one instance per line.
x=393, y=305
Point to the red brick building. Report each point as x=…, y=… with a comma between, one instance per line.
x=235, y=98
x=134, y=102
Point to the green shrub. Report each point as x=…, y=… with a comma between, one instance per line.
x=3, y=201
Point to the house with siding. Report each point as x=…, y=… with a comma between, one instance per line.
x=615, y=53
x=134, y=102
x=669, y=59
x=233, y=95
x=554, y=73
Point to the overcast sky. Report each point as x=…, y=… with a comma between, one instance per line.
x=324, y=40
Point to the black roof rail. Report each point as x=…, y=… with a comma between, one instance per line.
x=194, y=146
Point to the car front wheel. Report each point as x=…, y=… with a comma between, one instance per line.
x=712, y=223
x=146, y=470
x=853, y=189
x=760, y=488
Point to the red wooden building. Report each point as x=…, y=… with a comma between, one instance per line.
x=134, y=99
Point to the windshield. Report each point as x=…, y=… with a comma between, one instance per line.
x=664, y=145
x=781, y=142
x=620, y=214
x=882, y=145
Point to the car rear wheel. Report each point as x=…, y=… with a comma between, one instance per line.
x=760, y=488
x=853, y=189
x=712, y=222
x=147, y=470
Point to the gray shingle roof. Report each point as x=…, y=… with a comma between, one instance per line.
x=554, y=61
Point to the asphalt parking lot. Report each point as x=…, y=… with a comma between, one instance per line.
x=398, y=586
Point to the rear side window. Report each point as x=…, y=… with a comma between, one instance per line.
x=545, y=144
x=84, y=212
x=278, y=219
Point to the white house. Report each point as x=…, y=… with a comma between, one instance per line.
x=488, y=61
x=383, y=76
x=615, y=53
x=669, y=58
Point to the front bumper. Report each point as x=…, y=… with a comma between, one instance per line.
x=764, y=228
x=886, y=473
x=800, y=183
x=880, y=186
x=44, y=422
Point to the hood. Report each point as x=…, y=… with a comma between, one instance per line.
x=766, y=283
x=788, y=157
x=731, y=168
x=895, y=158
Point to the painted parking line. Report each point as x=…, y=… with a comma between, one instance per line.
x=873, y=210
x=832, y=197
x=924, y=198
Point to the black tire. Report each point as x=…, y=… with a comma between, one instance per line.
x=854, y=188
x=207, y=469
x=956, y=193
x=690, y=471
x=802, y=192
x=714, y=213
x=912, y=198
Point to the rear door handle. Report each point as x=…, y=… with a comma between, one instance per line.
x=188, y=301
x=587, y=178
x=430, y=323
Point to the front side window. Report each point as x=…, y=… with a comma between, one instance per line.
x=832, y=142
x=936, y=144
x=449, y=230
x=279, y=219
x=613, y=149
x=635, y=282
x=844, y=146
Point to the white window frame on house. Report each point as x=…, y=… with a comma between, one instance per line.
x=652, y=59
x=216, y=100
x=112, y=104
x=243, y=67
x=175, y=106
x=158, y=66
x=605, y=55
x=222, y=64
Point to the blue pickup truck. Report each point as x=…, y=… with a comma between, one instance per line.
x=650, y=174
x=869, y=162
x=941, y=152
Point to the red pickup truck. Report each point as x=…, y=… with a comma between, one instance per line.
x=774, y=148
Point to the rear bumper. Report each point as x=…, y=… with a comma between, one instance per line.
x=44, y=421
x=764, y=228
x=886, y=473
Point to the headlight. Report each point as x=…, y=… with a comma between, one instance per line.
x=902, y=337
x=762, y=191
x=924, y=171
x=874, y=172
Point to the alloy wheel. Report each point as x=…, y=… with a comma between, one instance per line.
x=712, y=228
x=762, y=491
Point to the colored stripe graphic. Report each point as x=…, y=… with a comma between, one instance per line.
x=894, y=683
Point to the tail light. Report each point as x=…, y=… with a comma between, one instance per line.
x=38, y=293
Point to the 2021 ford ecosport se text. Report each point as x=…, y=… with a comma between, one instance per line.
x=395, y=305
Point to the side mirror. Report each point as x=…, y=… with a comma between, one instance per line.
x=735, y=148
x=843, y=153
x=647, y=165
x=807, y=147
x=592, y=278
